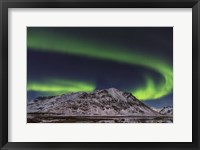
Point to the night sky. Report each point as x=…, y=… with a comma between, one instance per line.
x=72, y=59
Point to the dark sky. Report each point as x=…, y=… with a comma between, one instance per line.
x=72, y=55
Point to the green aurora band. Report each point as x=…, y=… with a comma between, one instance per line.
x=48, y=41
x=59, y=86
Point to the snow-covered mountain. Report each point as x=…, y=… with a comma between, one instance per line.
x=156, y=109
x=106, y=102
x=166, y=110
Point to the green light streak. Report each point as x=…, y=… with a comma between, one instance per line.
x=46, y=41
x=57, y=86
x=151, y=90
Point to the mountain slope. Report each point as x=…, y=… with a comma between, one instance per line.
x=106, y=102
x=166, y=110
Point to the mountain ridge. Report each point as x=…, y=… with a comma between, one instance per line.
x=105, y=102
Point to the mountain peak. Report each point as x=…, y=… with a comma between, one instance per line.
x=113, y=89
x=107, y=102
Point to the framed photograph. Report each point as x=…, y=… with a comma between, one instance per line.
x=99, y=75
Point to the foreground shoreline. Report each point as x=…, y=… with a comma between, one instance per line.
x=57, y=118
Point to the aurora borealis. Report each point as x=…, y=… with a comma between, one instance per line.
x=60, y=86
x=72, y=59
